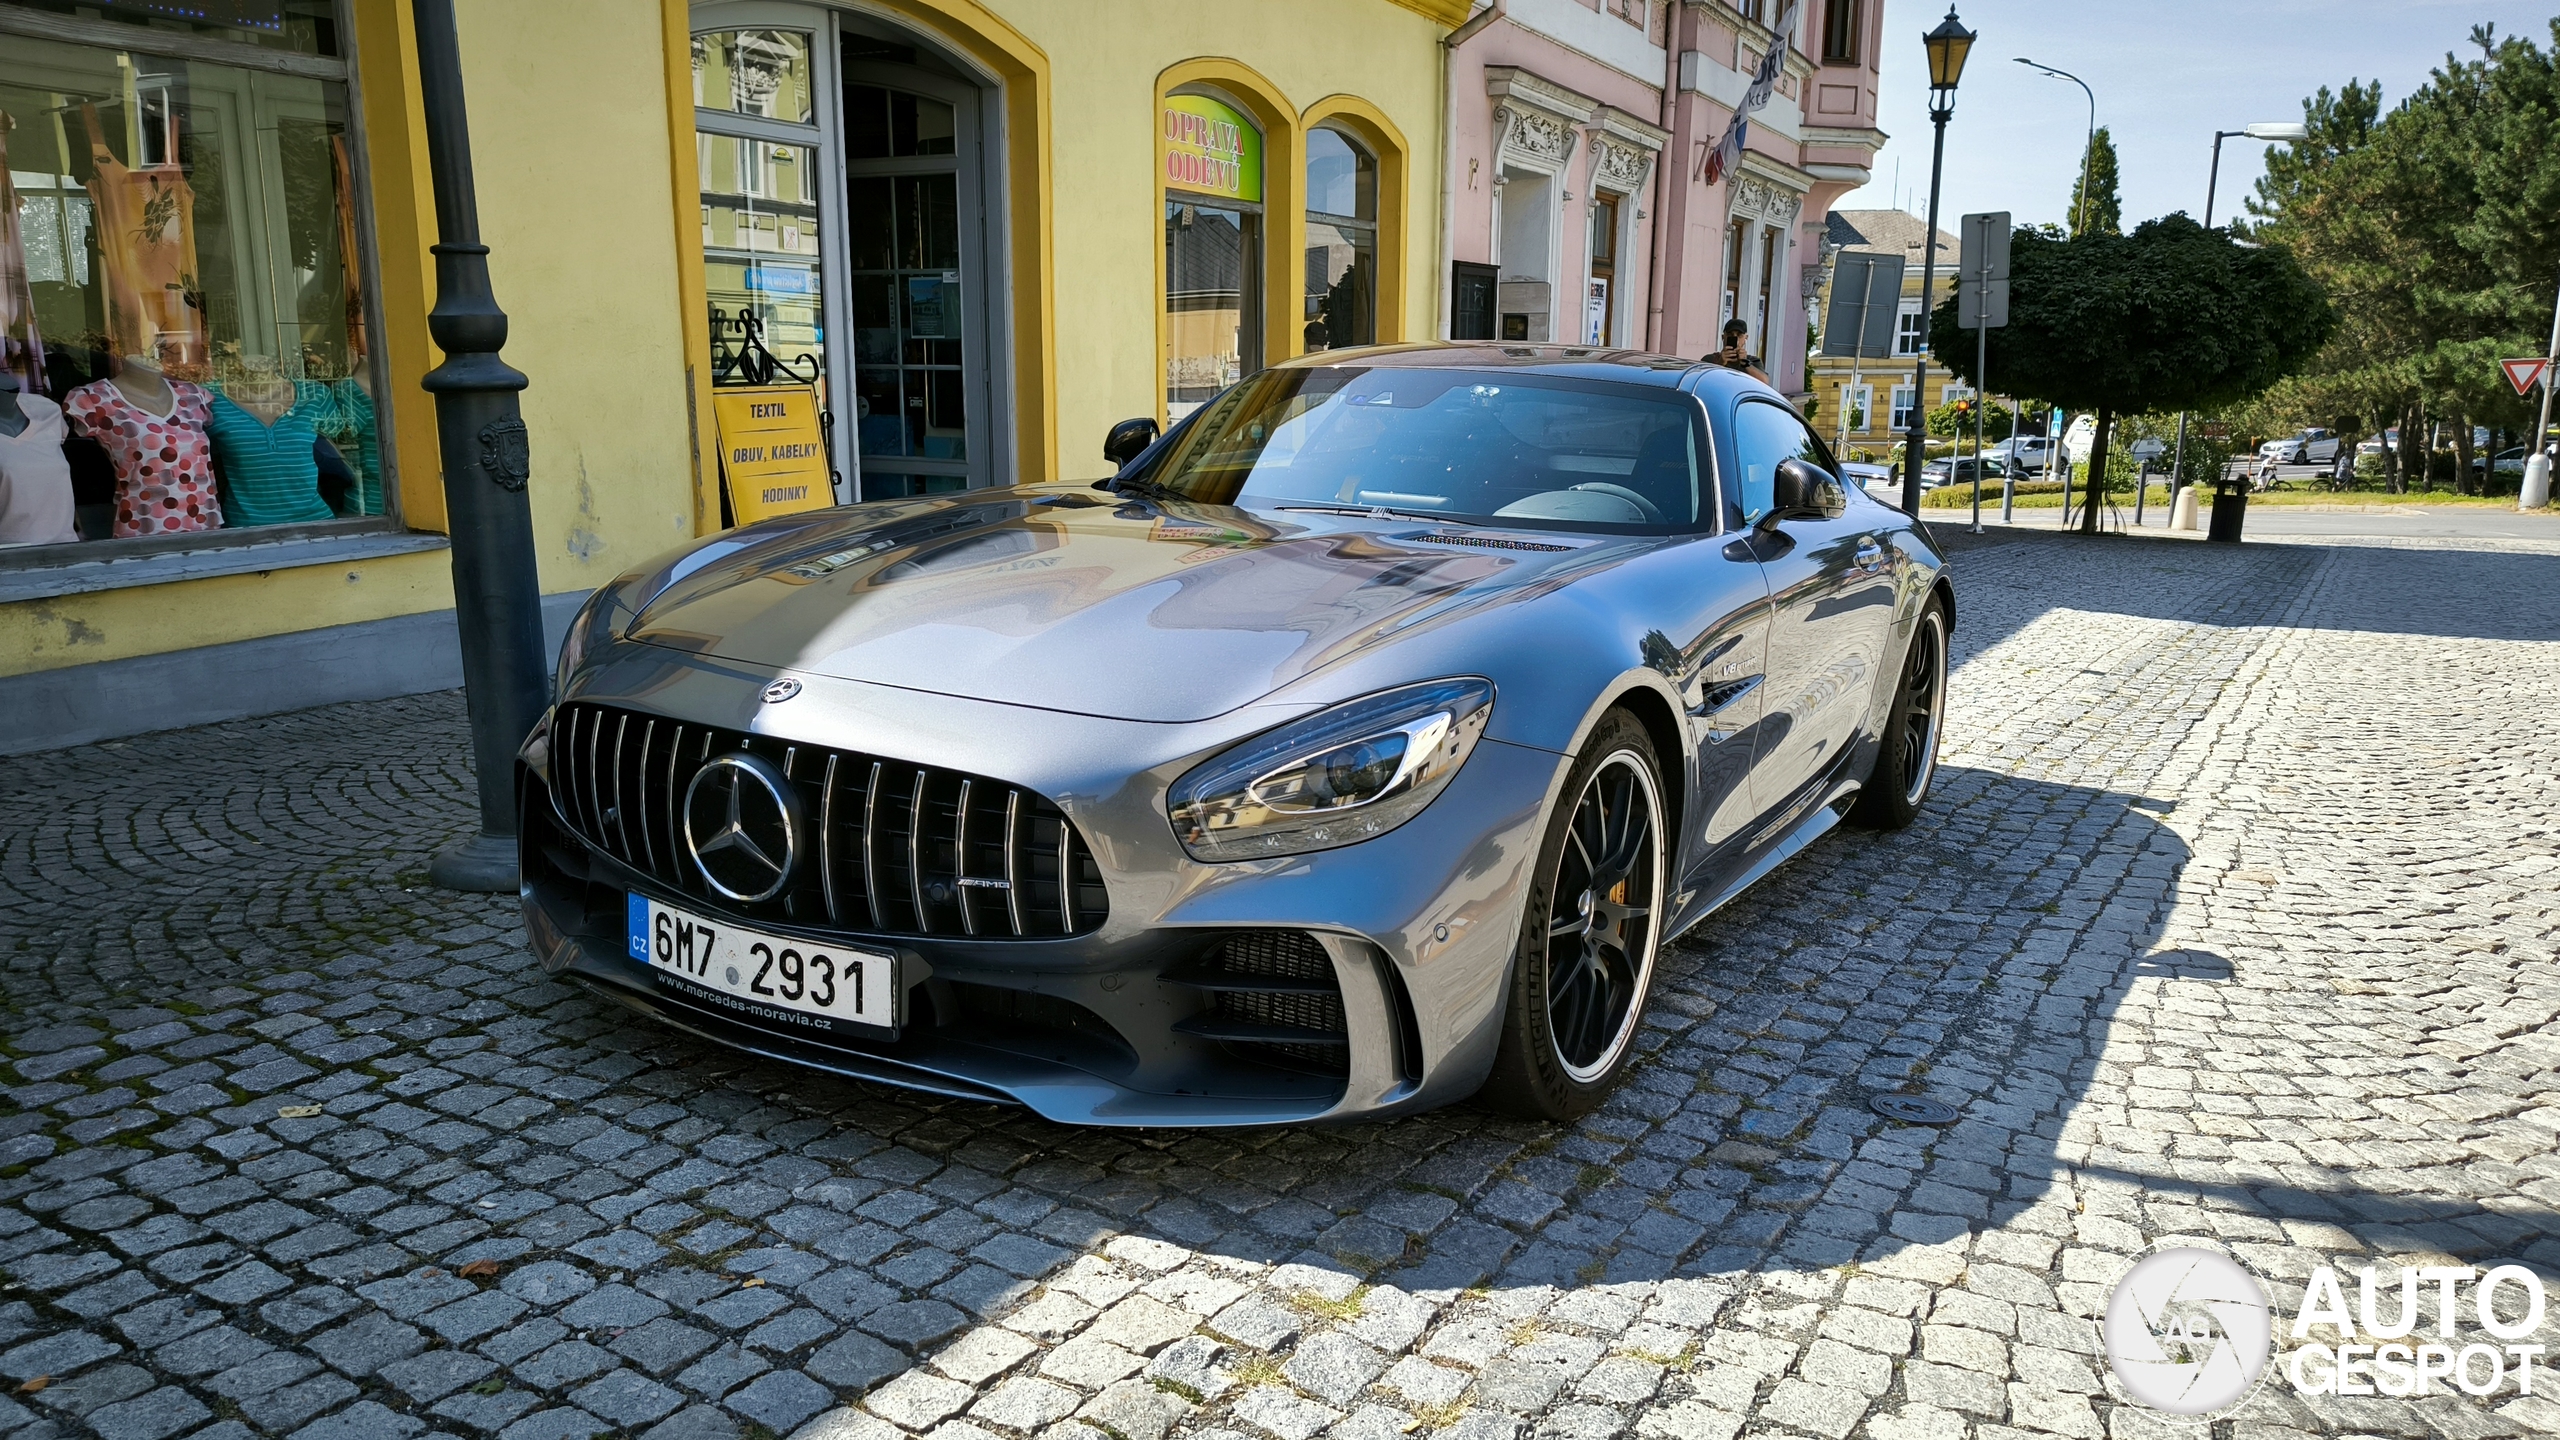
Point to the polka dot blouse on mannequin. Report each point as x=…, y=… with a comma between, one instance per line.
x=164, y=462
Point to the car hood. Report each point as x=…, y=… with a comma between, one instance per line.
x=1072, y=601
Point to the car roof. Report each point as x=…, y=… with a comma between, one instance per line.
x=1580, y=362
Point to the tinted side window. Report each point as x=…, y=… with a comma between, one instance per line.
x=1764, y=437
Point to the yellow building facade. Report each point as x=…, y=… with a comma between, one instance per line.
x=982, y=232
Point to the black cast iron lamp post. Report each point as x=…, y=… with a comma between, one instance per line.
x=1948, y=46
x=480, y=439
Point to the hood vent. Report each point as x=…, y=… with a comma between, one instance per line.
x=1486, y=542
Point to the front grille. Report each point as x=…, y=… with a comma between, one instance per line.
x=901, y=849
x=1273, y=997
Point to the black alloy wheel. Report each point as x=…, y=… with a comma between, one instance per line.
x=1589, y=937
x=1907, y=752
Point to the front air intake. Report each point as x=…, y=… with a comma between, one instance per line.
x=1273, y=998
x=895, y=848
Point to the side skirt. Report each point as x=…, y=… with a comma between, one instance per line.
x=1812, y=827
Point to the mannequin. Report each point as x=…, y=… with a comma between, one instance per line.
x=265, y=429
x=35, y=475
x=153, y=429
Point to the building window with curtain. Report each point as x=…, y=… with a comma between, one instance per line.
x=1840, y=21
x=1342, y=242
x=183, y=311
x=1212, y=249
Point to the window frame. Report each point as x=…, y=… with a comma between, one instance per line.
x=1842, y=22
x=1370, y=228
x=159, y=559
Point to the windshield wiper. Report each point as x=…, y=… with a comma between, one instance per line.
x=1366, y=512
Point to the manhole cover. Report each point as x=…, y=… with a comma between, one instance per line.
x=1913, y=1109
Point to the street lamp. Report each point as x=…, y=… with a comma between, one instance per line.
x=2088, y=147
x=2264, y=130
x=1948, y=45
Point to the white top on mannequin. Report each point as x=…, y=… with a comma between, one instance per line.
x=140, y=382
x=36, y=503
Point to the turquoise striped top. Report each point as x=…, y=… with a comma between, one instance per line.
x=269, y=474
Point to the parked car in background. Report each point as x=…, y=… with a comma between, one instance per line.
x=2025, y=454
x=2509, y=461
x=1881, y=482
x=2374, y=444
x=2305, y=447
x=1959, y=471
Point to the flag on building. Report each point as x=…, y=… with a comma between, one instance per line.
x=1763, y=81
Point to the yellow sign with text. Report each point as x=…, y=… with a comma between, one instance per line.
x=771, y=452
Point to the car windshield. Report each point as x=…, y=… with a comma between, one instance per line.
x=1489, y=447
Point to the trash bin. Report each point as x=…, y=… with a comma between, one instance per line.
x=2230, y=507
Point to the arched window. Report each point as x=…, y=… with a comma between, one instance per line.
x=1342, y=242
x=1212, y=249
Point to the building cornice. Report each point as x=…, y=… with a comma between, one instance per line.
x=1447, y=14
x=1866, y=138
x=1510, y=82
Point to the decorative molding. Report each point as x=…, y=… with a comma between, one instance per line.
x=1617, y=165
x=1761, y=199
x=1532, y=138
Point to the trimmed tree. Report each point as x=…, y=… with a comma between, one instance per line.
x=2104, y=214
x=2171, y=317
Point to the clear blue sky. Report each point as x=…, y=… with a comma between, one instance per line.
x=2167, y=74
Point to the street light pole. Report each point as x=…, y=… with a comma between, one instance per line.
x=1947, y=45
x=2088, y=147
x=2264, y=130
x=480, y=438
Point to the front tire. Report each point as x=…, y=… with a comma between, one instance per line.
x=1593, y=926
x=1907, y=754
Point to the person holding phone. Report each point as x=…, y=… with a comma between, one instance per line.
x=1732, y=356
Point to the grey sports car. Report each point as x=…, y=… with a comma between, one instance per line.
x=1354, y=750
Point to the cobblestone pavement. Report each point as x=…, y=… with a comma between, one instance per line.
x=2233, y=917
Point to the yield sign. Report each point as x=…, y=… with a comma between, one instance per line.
x=2524, y=374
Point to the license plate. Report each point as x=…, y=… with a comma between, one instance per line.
x=778, y=979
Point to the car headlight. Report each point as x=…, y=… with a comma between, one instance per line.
x=573, y=645
x=1335, y=778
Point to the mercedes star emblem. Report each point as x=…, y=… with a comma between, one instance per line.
x=741, y=821
x=781, y=690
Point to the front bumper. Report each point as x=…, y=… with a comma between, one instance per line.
x=1417, y=926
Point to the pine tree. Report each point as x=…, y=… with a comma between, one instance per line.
x=2103, y=215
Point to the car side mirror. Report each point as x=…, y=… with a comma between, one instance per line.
x=1803, y=491
x=1128, y=440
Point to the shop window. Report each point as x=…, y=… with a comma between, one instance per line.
x=1737, y=237
x=1598, y=301
x=1342, y=242
x=1212, y=249
x=1840, y=21
x=183, y=291
x=1769, y=238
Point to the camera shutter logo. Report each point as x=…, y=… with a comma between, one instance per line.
x=742, y=823
x=2188, y=1331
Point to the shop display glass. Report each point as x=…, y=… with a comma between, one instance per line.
x=1342, y=242
x=182, y=293
x=1212, y=249
x=909, y=340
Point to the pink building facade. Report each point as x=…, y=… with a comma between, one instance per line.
x=1578, y=211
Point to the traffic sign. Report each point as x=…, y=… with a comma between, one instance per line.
x=2525, y=374
x=1982, y=271
x=1866, y=294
